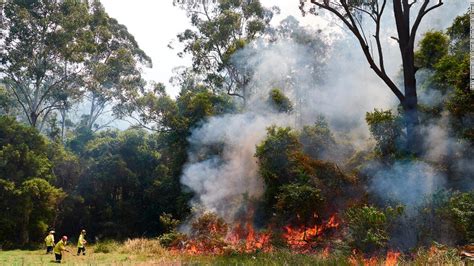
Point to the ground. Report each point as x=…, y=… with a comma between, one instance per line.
x=37, y=257
x=150, y=252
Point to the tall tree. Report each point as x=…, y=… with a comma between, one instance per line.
x=114, y=68
x=351, y=12
x=222, y=28
x=43, y=45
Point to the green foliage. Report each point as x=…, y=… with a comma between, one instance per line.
x=459, y=33
x=168, y=222
x=452, y=71
x=7, y=102
x=461, y=108
x=221, y=29
x=432, y=47
x=318, y=140
x=295, y=183
x=53, y=34
x=276, y=153
x=368, y=226
x=461, y=211
x=40, y=200
x=121, y=166
x=172, y=239
x=23, y=152
x=448, y=55
x=299, y=203
x=279, y=101
x=28, y=209
x=386, y=129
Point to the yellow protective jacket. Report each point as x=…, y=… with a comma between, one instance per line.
x=81, y=241
x=60, y=246
x=49, y=240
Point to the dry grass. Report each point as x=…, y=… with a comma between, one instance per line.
x=143, y=246
x=150, y=252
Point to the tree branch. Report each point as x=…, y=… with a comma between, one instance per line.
x=421, y=13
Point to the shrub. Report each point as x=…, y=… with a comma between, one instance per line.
x=106, y=246
x=209, y=230
x=461, y=210
x=386, y=129
x=368, y=227
x=298, y=202
x=172, y=239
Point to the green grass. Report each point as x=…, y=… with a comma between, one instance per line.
x=37, y=257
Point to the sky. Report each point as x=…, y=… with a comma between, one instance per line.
x=155, y=23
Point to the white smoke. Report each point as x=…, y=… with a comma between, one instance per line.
x=220, y=182
x=350, y=89
x=407, y=182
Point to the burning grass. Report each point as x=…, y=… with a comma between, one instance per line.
x=210, y=234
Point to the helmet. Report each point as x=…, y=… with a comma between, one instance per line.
x=52, y=232
x=64, y=238
x=83, y=231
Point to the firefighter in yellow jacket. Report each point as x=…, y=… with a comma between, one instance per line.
x=59, y=248
x=49, y=241
x=81, y=243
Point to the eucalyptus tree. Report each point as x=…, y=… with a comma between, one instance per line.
x=55, y=53
x=351, y=13
x=221, y=29
x=114, y=67
x=43, y=47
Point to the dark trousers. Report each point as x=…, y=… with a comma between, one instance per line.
x=83, y=250
x=49, y=249
x=58, y=257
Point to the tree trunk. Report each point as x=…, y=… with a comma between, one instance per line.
x=410, y=103
x=33, y=119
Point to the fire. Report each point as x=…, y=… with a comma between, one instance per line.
x=245, y=239
x=357, y=259
x=303, y=238
x=392, y=258
x=212, y=236
x=326, y=252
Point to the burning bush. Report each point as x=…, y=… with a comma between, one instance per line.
x=209, y=232
x=303, y=200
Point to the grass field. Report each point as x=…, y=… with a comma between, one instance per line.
x=148, y=252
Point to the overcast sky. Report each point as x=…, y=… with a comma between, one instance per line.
x=155, y=23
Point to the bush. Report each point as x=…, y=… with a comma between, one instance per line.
x=368, y=227
x=106, y=246
x=318, y=140
x=172, y=239
x=386, y=129
x=461, y=210
x=278, y=101
x=298, y=203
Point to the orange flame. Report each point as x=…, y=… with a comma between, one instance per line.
x=247, y=240
x=302, y=238
x=392, y=258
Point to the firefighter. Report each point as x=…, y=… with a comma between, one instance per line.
x=59, y=248
x=81, y=243
x=49, y=241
